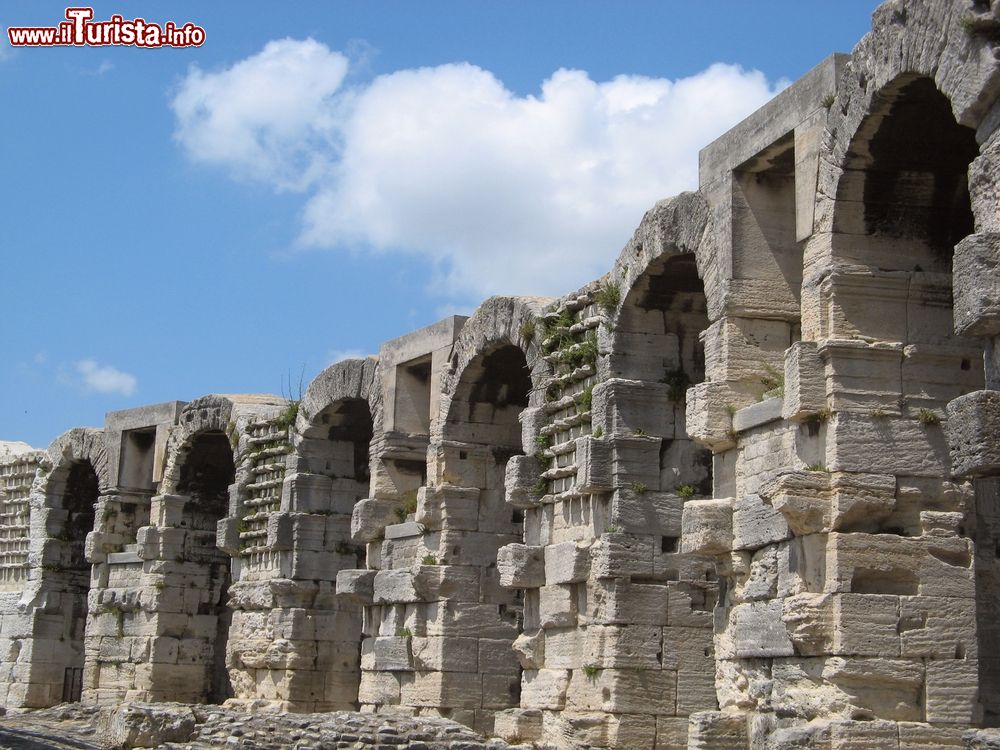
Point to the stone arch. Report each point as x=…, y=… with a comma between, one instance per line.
x=205, y=414
x=66, y=502
x=342, y=405
x=497, y=321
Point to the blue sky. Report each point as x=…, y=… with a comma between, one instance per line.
x=322, y=176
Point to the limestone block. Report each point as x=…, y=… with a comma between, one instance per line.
x=623, y=690
x=805, y=387
x=557, y=606
x=167, y=510
x=741, y=349
x=636, y=461
x=521, y=566
x=920, y=736
x=671, y=733
x=757, y=630
x=594, y=465
x=465, y=619
x=637, y=406
x=707, y=526
x=690, y=603
x=566, y=562
x=379, y=688
x=708, y=416
x=281, y=531
x=889, y=688
x=386, y=654
x=813, y=501
x=861, y=376
x=973, y=430
x=623, y=647
x=448, y=507
x=889, y=445
x=688, y=649
x=444, y=689
x=618, y=601
x=307, y=493
x=544, y=688
x=529, y=648
x=456, y=583
x=445, y=654
x=520, y=478
x=227, y=535
x=620, y=555
x=596, y=729
x=518, y=725
x=864, y=735
x=357, y=585
x=952, y=692
x=976, y=285
x=500, y=691
x=497, y=657
x=756, y=523
x=937, y=627
x=889, y=564
x=564, y=648
x=394, y=586
x=647, y=512
x=696, y=691
x=370, y=517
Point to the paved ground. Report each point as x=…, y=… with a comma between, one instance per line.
x=178, y=727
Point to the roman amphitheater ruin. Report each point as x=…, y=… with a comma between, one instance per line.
x=743, y=491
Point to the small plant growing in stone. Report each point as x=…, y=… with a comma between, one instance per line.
x=639, y=432
x=638, y=488
x=879, y=413
x=542, y=442
x=408, y=505
x=584, y=399
x=591, y=670
x=608, y=297
x=828, y=101
x=820, y=417
x=677, y=382
x=772, y=379
x=429, y=560
x=613, y=528
x=686, y=490
x=818, y=467
x=287, y=418
x=598, y=431
x=541, y=487
x=527, y=331
x=928, y=417
x=404, y=633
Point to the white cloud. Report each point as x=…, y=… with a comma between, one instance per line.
x=502, y=193
x=105, y=378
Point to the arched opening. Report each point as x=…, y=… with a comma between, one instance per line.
x=68, y=573
x=887, y=316
x=337, y=445
x=658, y=340
x=481, y=433
x=206, y=473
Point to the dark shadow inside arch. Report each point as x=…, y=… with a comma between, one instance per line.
x=69, y=575
x=658, y=340
x=206, y=473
